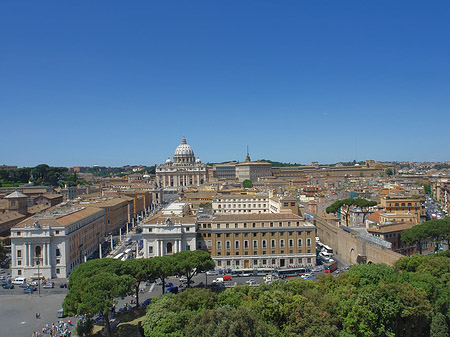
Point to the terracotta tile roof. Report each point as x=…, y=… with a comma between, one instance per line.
x=10, y=216
x=374, y=217
x=59, y=220
x=52, y=196
x=37, y=208
x=389, y=228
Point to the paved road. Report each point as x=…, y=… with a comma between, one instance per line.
x=17, y=313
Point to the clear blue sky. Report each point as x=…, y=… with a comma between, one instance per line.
x=120, y=82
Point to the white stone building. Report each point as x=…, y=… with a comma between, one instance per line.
x=60, y=239
x=168, y=235
x=184, y=170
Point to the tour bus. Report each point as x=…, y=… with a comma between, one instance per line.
x=330, y=267
x=325, y=256
x=119, y=256
x=128, y=253
x=291, y=272
x=327, y=249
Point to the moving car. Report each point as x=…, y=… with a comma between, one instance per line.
x=28, y=290
x=211, y=272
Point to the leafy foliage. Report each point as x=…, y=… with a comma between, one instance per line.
x=369, y=300
x=346, y=204
x=247, y=183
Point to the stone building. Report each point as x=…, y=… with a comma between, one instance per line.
x=235, y=241
x=183, y=171
x=252, y=170
x=58, y=240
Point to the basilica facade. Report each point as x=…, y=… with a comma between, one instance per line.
x=183, y=171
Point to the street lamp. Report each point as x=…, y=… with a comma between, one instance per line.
x=38, y=258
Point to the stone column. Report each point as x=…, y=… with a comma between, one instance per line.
x=179, y=245
x=44, y=254
x=29, y=255
x=157, y=248
x=25, y=254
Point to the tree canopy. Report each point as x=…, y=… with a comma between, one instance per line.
x=247, y=183
x=344, y=206
x=410, y=299
x=435, y=230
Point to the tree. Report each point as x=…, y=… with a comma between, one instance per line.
x=93, y=267
x=343, y=207
x=2, y=251
x=389, y=172
x=439, y=327
x=247, y=183
x=163, y=267
x=84, y=327
x=226, y=321
x=141, y=270
x=97, y=294
x=189, y=263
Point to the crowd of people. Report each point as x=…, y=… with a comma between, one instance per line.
x=60, y=329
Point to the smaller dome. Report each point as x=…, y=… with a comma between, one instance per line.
x=168, y=161
x=198, y=160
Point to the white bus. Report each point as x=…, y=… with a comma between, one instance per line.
x=128, y=253
x=119, y=256
x=327, y=249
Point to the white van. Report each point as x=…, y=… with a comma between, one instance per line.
x=19, y=280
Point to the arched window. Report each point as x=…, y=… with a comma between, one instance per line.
x=37, y=251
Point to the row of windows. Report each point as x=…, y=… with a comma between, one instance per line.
x=242, y=200
x=255, y=243
x=246, y=234
x=252, y=225
x=239, y=206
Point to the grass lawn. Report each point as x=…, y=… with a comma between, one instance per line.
x=127, y=326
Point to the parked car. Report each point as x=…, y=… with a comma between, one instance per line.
x=123, y=308
x=147, y=302
x=48, y=285
x=63, y=285
x=169, y=284
x=211, y=272
x=8, y=286
x=172, y=289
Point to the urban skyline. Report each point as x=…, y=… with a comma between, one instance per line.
x=113, y=84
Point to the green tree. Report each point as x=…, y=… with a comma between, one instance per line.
x=93, y=267
x=2, y=251
x=84, y=327
x=396, y=309
x=343, y=207
x=247, y=183
x=389, y=172
x=140, y=270
x=439, y=327
x=226, y=321
x=189, y=263
x=97, y=293
x=163, y=267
